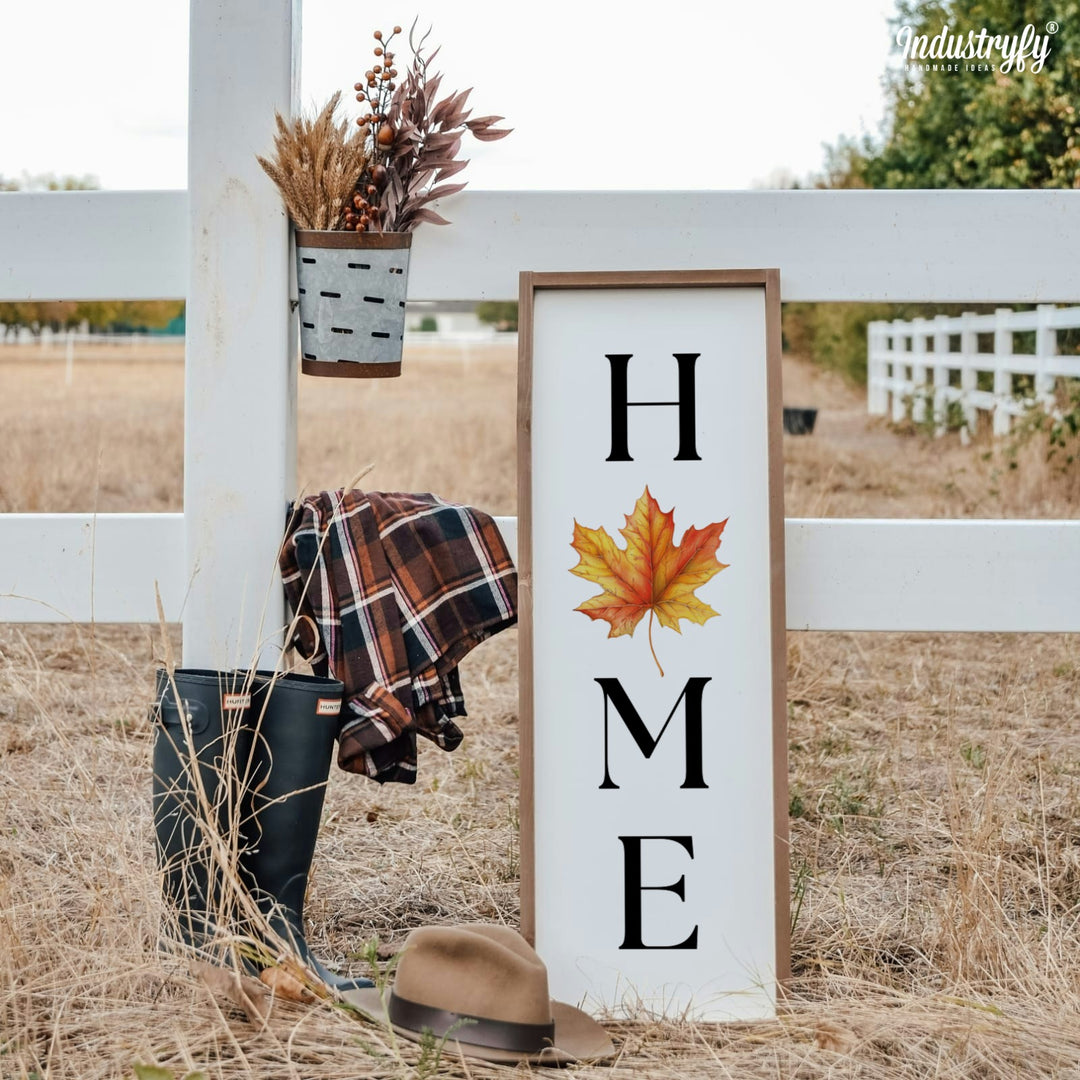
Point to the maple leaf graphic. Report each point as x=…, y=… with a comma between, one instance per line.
x=652, y=574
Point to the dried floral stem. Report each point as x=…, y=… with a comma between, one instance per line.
x=316, y=166
x=413, y=141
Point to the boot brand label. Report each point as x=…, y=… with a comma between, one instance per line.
x=231, y=702
x=328, y=707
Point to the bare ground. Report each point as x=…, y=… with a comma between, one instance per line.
x=935, y=779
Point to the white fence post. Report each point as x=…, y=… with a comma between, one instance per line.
x=1045, y=351
x=899, y=331
x=969, y=374
x=918, y=370
x=240, y=374
x=1003, y=388
x=877, y=396
x=941, y=373
x=69, y=358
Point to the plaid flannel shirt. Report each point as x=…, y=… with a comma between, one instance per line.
x=400, y=588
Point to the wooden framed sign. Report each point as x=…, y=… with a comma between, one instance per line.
x=653, y=716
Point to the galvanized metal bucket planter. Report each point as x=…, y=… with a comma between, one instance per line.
x=352, y=302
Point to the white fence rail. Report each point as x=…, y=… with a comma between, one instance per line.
x=224, y=245
x=841, y=574
x=829, y=245
x=913, y=365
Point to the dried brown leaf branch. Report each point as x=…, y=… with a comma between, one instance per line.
x=414, y=141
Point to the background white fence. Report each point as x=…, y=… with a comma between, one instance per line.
x=61, y=339
x=68, y=341
x=86, y=345
x=224, y=244
x=914, y=365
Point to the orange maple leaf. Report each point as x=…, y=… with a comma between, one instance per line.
x=652, y=574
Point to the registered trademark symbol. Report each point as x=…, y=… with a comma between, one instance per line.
x=1052, y=27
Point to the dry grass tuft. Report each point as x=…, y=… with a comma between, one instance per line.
x=935, y=790
x=316, y=166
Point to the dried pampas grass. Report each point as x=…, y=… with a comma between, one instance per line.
x=316, y=166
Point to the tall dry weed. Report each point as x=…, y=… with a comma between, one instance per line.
x=1037, y=475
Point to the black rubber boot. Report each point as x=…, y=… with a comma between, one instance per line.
x=293, y=722
x=184, y=815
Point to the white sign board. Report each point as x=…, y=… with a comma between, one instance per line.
x=654, y=778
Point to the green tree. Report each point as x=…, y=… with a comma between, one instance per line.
x=502, y=314
x=126, y=315
x=981, y=129
x=953, y=129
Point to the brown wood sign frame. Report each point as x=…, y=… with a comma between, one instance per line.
x=616, y=828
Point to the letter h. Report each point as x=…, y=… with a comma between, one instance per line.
x=620, y=407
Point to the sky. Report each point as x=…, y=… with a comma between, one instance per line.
x=706, y=94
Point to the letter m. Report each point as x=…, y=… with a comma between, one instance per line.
x=615, y=695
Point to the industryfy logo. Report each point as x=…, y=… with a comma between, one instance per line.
x=982, y=51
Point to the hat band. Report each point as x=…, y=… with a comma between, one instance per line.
x=476, y=1030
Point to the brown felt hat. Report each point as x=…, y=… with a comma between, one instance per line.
x=486, y=990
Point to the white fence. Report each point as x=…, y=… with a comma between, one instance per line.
x=47, y=338
x=224, y=244
x=913, y=364
x=89, y=346
x=68, y=341
x=463, y=339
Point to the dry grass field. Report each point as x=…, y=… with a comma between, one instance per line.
x=935, y=779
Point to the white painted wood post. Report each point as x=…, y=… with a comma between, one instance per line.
x=899, y=331
x=1003, y=341
x=69, y=358
x=877, y=394
x=240, y=373
x=918, y=370
x=871, y=367
x=1045, y=351
x=941, y=373
x=969, y=371
x=884, y=368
